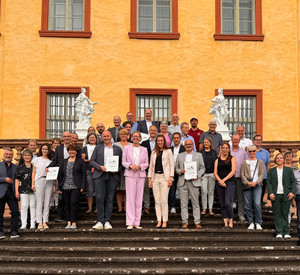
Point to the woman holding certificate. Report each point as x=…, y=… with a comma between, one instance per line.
x=71, y=182
x=224, y=170
x=42, y=187
x=161, y=175
x=135, y=161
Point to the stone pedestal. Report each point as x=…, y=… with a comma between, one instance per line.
x=224, y=131
x=81, y=132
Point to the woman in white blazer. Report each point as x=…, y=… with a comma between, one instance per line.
x=161, y=176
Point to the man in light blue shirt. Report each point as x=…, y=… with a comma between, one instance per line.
x=265, y=157
x=184, y=135
x=130, y=117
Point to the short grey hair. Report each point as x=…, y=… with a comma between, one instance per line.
x=182, y=124
x=164, y=123
x=251, y=147
x=212, y=121
x=8, y=149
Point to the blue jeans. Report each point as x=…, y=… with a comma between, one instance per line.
x=298, y=214
x=253, y=197
x=105, y=187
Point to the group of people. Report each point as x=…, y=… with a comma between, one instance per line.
x=173, y=157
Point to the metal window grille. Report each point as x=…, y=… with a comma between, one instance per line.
x=238, y=16
x=66, y=15
x=242, y=112
x=154, y=16
x=61, y=114
x=161, y=107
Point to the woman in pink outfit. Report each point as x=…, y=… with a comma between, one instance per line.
x=135, y=161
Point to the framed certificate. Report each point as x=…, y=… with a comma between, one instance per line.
x=112, y=164
x=52, y=173
x=190, y=170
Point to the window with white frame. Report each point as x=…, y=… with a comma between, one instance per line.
x=160, y=105
x=66, y=15
x=60, y=114
x=154, y=16
x=238, y=17
x=242, y=111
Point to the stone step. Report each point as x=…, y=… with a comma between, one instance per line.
x=136, y=250
x=223, y=268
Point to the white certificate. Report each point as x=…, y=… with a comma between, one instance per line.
x=190, y=170
x=112, y=164
x=144, y=137
x=52, y=173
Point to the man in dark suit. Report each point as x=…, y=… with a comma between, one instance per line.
x=32, y=146
x=106, y=182
x=149, y=144
x=176, y=149
x=60, y=155
x=115, y=130
x=7, y=193
x=144, y=125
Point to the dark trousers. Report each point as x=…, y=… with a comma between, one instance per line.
x=281, y=210
x=71, y=204
x=172, y=192
x=61, y=213
x=298, y=214
x=12, y=202
x=225, y=195
x=105, y=188
x=264, y=185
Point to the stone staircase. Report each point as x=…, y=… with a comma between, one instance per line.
x=151, y=251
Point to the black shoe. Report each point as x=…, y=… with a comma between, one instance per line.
x=14, y=234
x=58, y=219
x=2, y=235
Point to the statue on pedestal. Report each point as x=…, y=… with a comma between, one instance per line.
x=84, y=107
x=220, y=112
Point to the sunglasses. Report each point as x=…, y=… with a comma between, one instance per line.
x=252, y=151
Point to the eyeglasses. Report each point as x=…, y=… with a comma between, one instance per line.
x=252, y=151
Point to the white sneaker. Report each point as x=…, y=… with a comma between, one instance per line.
x=173, y=210
x=278, y=236
x=251, y=226
x=107, y=225
x=258, y=226
x=98, y=225
x=287, y=236
x=23, y=227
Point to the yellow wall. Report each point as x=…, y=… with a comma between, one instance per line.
x=110, y=63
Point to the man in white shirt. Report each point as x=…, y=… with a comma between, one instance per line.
x=244, y=142
x=106, y=182
x=176, y=149
x=144, y=125
x=175, y=126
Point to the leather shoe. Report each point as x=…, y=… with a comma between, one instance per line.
x=198, y=226
x=146, y=210
x=184, y=226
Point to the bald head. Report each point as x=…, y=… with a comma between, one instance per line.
x=100, y=127
x=106, y=136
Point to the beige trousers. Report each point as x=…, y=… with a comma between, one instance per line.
x=161, y=193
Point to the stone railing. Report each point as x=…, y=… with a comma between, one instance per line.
x=272, y=146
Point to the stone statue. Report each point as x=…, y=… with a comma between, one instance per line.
x=84, y=107
x=220, y=111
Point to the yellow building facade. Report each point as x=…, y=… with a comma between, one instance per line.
x=116, y=63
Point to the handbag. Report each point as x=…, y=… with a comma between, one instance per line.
x=247, y=187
